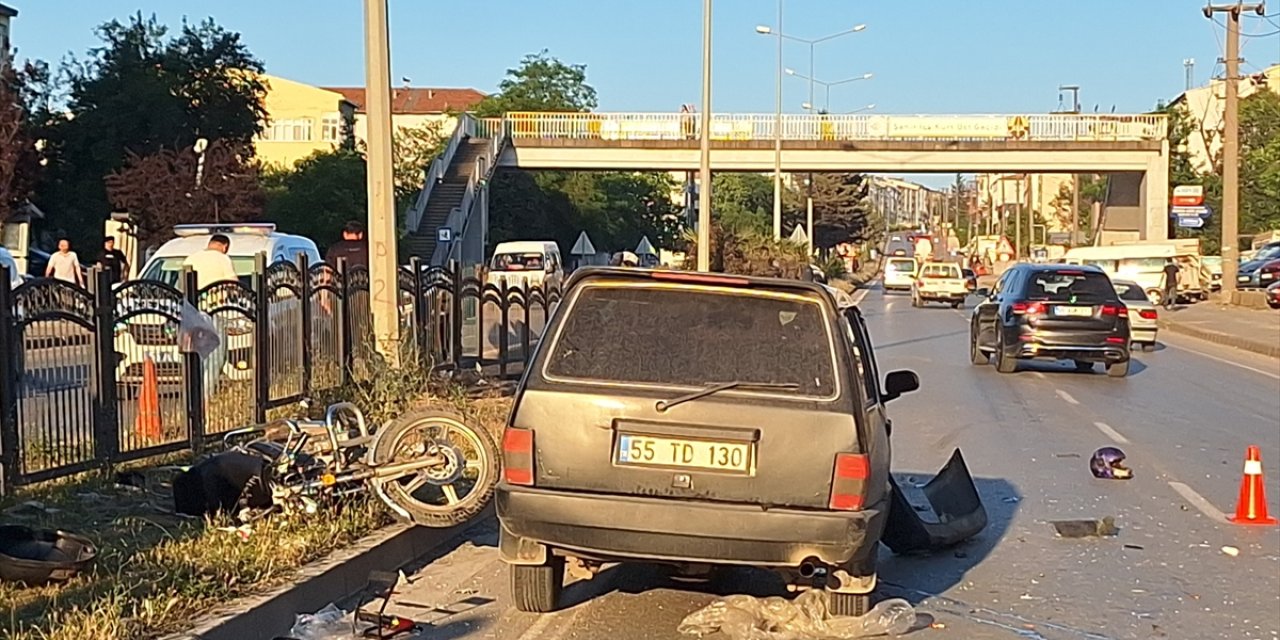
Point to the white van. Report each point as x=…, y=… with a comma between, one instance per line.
x=1143, y=263
x=148, y=334
x=900, y=273
x=533, y=262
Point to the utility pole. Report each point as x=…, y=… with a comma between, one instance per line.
x=1075, y=177
x=704, y=168
x=1189, y=68
x=383, y=288
x=777, y=140
x=1231, y=142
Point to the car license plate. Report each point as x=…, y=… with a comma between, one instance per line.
x=1243, y=278
x=642, y=450
x=1072, y=312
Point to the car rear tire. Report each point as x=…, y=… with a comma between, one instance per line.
x=956, y=305
x=1004, y=364
x=1118, y=369
x=846, y=605
x=536, y=589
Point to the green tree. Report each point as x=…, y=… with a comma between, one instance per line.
x=318, y=195
x=138, y=93
x=541, y=83
x=743, y=202
x=841, y=211
x=413, y=149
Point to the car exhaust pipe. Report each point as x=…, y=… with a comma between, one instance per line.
x=808, y=569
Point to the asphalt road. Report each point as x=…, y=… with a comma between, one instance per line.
x=1184, y=416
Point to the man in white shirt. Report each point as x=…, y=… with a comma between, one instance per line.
x=212, y=265
x=65, y=264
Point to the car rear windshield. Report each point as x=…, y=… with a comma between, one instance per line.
x=940, y=271
x=1130, y=292
x=528, y=261
x=1071, y=286
x=686, y=337
x=904, y=266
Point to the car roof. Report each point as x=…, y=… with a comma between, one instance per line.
x=1058, y=266
x=242, y=244
x=698, y=278
x=520, y=246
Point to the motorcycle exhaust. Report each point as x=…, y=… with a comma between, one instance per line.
x=808, y=569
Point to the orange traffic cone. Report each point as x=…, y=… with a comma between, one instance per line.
x=146, y=426
x=1252, y=508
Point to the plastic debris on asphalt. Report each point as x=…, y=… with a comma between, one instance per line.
x=329, y=623
x=1105, y=527
x=807, y=617
x=1231, y=551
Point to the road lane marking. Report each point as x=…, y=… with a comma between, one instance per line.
x=1066, y=396
x=1111, y=433
x=1225, y=361
x=1038, y=374
x=859, y=295
x=1198, y=501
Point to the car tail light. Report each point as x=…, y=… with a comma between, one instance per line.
x=1148, y=314
x=848, y=481
x=1028, y=308
x=1116, y=339
x=1115, y=310
x=517, y=456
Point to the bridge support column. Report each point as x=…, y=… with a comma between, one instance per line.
x=1155, y=196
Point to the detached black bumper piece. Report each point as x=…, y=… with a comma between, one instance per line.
x=954, y=500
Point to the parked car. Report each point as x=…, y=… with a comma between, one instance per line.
x=939, y=282
x=900, y=274
x=1251, y=272
x=1273, y=295
x=7, y=261
x=149, y=334
x=1051, y=311
x=1212, y=271
x=1144, y=318
x=686, y=444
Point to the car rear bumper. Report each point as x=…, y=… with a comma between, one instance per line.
x=949, y=296
x=1142, y=334
x=610, y=527
x=1087, y=346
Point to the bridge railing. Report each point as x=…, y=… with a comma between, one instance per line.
x=836, y=127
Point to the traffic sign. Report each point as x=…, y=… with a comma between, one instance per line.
x=1190, y=222
x=1188, y=195
x=583, y=246
x=444, y=234
x=1201, y=211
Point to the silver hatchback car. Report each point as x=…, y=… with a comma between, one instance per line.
x=1144, y=318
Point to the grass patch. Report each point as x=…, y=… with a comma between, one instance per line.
x=157, y=573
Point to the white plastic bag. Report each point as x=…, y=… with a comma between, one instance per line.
x=805, y=618
x=328, y=623
x=196, y=332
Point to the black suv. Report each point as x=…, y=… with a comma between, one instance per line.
x=1051, y=311
x=696, y=420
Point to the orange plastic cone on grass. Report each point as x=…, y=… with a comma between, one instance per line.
x=1252, y=507
x=146, y=425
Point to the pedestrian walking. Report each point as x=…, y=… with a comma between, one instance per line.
x=1170, y=283
x=352, y=247
x=112, y=261
x=64, y=265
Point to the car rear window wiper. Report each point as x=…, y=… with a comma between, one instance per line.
x=717, y=387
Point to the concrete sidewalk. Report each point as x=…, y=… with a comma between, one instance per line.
x=1255, y=330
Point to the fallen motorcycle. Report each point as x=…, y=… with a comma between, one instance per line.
x=430, y=467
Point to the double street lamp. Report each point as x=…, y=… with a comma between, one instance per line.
x=777, y=128
x=827, y=86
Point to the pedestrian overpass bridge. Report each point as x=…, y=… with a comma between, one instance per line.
x=1133, y=149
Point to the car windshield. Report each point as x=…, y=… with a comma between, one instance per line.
x=902, y=266
x=1069, y=286
x=168, y=269
x=525, y=261
x=1130, y=292
x=1268, y=253
x=692, y=338
x=940, y=271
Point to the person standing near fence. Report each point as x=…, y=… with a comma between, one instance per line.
x=113, y=261
x=352, y=247
x=211, y=266
x=64, y=265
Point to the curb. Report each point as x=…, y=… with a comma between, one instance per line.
x=1227, y=339
x=333, y=579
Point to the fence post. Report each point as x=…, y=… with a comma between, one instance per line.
x=261, y=339
x=10, y=375
x=344, y=325
x=503, y=327
x=307, y=343
x=524, y=335
x=106, y=424
x=455, y=276
x=194, y=370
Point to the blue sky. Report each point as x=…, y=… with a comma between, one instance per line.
x=928, y=56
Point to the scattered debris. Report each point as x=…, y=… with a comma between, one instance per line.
x=40, y=556
x=243, y=531
x=1231, y=551
x=1134, y=546
x=30, y=509
x=1105, y=527
x=328, y=623
x=806, y=617
x=1066, y=455
x=1107, y=463
x=1012, y=500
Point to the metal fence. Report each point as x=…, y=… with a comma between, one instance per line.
x=94, y=376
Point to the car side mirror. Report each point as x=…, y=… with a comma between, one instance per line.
x=983, y=292
x=897, y=383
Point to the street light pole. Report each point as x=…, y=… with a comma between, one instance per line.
x=1231, y=143
x=777, y=141
x=704, y=169
x=383, y=289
